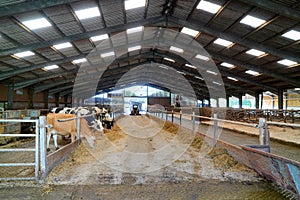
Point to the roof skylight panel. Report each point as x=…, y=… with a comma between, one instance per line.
x=134, y=48
x=134, y=30
x=211, y=72
x=179, y=50
x=197, y=77
x=189, y=31
x=99, y=37
x=217, y=83
x=231, y=78
x=87, y=13
x=181, y=72
x=163, y=67
x=131, y=4
x=37, y=23
x=287, y=62
x=79, y=61
x=191, y=66
x=228, y=65
x=208, y=7
x=201, y=57
x=104, y=55
x=62, y=45
x=292, y=34
x=169, y=59
x=253, y=73
x=51, y=67
x=255, y=52
x=252, y=21
x=223, y=42
x=24, y=54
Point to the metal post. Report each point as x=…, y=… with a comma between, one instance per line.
x=267, y=136
x=193, y=118
x=78, y=126
x=166, y=115
x=262, y=122
x=43, y=160
x=180, y=116
x=37, y=153
x=172, y=116
x=215, y=129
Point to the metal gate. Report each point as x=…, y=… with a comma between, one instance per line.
x=20, y=163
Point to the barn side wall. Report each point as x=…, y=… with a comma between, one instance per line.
x=21, y=99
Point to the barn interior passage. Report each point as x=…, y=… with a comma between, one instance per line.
x=137, y=82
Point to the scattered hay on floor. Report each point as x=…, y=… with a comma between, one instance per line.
x=197, y=143
x=170, y=127
x=115, y=133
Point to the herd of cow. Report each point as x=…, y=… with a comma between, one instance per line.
x=60, y=121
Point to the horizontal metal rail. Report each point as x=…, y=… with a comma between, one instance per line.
x=16, y=164
x=18, y=179
x=35, y=163
x=18, y=120
x=227, y=121
x=17, y=135
x=72, y=118
x=16, y=150
x=283, y=124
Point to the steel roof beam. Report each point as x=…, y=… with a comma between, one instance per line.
x=26, y=83
x=108, y=30
x=275, y=8
x=47, y=86
x=196, y=25
x=255, y=68
x=31, y=6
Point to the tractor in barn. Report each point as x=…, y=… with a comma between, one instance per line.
x=135, y=109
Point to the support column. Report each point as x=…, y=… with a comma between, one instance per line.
x=66, y=100
x=262, y=100
x=280, y=99
x=257, y=100
x=240, y=100
x=46, y=99
x=10, y=95
x=227, y=101
x=209, y=105
x=57, y=100
x=202, y=103
x=30, y=95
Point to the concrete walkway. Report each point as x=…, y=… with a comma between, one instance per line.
x=279, y=133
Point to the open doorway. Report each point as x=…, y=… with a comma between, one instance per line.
x=141, y=102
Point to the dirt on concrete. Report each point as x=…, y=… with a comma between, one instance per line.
x=194, y=164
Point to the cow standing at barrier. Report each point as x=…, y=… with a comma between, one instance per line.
x=55, y=128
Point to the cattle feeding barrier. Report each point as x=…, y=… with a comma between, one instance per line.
x=282, y=171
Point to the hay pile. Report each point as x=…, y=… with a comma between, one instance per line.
x=115, y=133
x=170, y=127
x=197, y=143
x=224, y=162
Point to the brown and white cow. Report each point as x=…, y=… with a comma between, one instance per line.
x=55, y=128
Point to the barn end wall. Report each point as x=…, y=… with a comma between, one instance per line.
x=163, y=101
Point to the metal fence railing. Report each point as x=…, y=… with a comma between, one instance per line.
x=19, y=161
